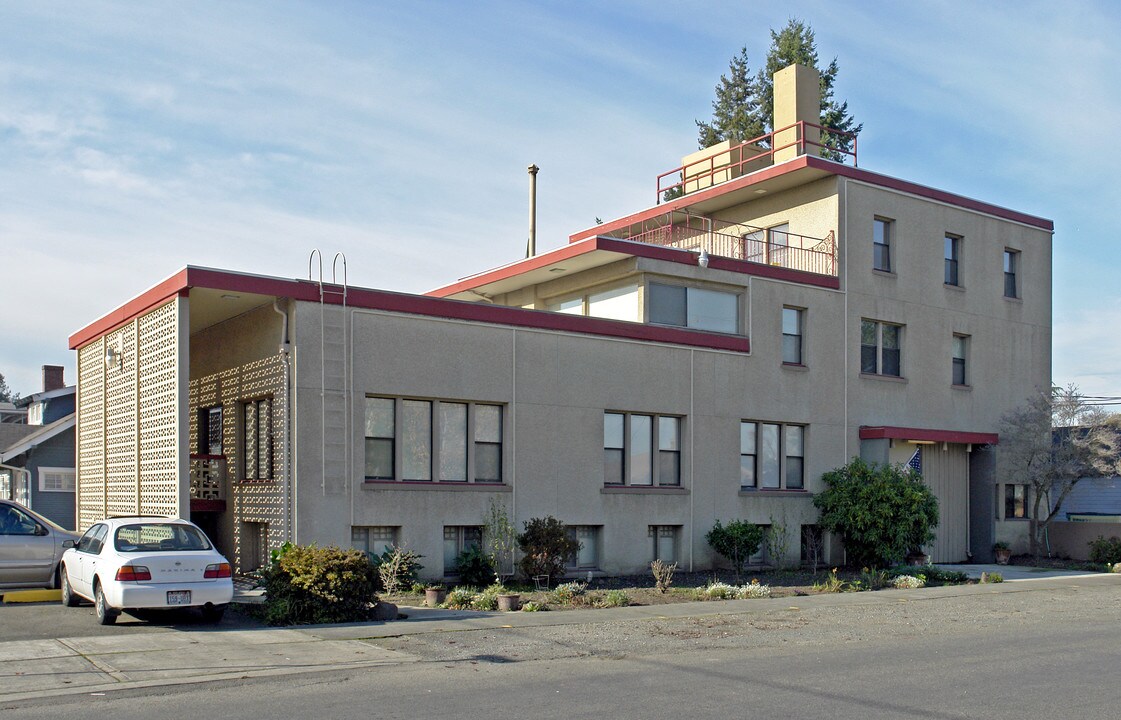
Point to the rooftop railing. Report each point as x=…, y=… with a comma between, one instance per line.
x=801, y=138
x=773, y=246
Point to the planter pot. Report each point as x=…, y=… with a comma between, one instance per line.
x=434, y=596
x=918, y=559
x=1002, y=556
x=509, y=601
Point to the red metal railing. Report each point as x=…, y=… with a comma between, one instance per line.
x=752, y=155
x=739, y=241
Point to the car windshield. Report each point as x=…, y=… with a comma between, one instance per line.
x=154, y=537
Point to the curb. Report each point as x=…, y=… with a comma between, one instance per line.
x=31, y=596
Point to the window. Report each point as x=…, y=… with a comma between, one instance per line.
x=628, y=449
x=960, y=350
x=953, y=257
x=14, y=521
x=57, y=479
x=423, y=440
x=373, y=540
x=772, y=456
x=1011, y=268
x=693, y=307
x=880, y=348
x=210, y=431
x=457, y=539
x=1015, y=502
x=258, y=440
x=664, y=542
x=792, y=335
x=767, y=246
x=615, y=304
x=881, y=244
x=588, y=555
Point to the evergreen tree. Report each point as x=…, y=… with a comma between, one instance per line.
x=744, y=108
x=6, y=393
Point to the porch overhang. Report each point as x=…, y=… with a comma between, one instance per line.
x=926, y=435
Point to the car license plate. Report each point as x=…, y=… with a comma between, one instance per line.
x=178, y=597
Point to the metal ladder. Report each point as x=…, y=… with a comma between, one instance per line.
x=334, y=367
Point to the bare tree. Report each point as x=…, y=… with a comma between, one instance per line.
x=1051, y=443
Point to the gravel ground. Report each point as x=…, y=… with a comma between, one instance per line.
x=776, y=625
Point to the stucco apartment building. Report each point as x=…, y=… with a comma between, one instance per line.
x=772, y=315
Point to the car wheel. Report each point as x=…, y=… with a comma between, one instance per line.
x=105, y=614
x=69, y=599
x=213, y=613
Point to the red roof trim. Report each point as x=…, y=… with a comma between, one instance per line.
x=516, y=268
x=404, y=303
x=949, y=436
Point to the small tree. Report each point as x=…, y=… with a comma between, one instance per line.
x=1051, y=443
x=736, y=541
x=500, y=540
x=6, y=393
x=881, y=512
x=546, y=547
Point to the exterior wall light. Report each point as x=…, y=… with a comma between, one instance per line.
x=112, y=358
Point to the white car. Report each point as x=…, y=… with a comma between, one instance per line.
x=132, y=563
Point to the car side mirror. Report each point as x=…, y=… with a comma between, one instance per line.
x=67, y=544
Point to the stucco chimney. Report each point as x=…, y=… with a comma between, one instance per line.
x=797, y=99
x=52, y=378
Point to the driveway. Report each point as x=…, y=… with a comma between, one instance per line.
x=40, y=621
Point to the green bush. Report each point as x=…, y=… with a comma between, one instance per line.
x=881, y=512
x=1105, y=550
x=309, y=584
x=569, y=593
x=474, y=567
x=397, y=568
x=546, y=547
x=613, y=598
x=736, y=541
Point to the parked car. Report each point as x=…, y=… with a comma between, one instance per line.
x=134, y=563
x=31, y=547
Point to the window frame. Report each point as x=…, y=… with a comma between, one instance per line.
x=656, y=533
x=687, y=290
x=951, y=253
x=881, y=246
x=959, y=342
x=434, y=442
x=658, y=455
x=799, y=315
x=1010, y=492
x=69, y=477
x=1011, y=266
x=751, y=455
x=573, y=562
x=206, y=420
x=363, y=533
x=880, y=349
x=462, y=543
x=251, y=446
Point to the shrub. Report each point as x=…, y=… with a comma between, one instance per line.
x=569, y=593
x=546, y=547
x=397, y=568
x=613, y=598
x=881, y=512
x=500, y=540
x=724, y=591
x=832, y=584
x=776, y=541
x=310, y=584
x=460, y=598
x=993, y=577
x=474, y=567
x=1105, y=550
x=877, y=579
x=754, y=590
x=531, y=606
x=736, y=541
x=663, y=575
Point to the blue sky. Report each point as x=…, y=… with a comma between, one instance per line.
x=137, y=138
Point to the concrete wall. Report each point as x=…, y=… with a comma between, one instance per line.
x=1072, y=539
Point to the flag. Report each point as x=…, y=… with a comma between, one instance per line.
x=915, y=463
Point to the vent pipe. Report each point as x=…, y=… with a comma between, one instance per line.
x=531, y=247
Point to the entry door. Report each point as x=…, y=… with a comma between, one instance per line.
x=946, y=473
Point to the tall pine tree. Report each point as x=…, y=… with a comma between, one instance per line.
x=744, y=108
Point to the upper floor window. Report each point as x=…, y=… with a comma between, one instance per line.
x=210, y=431
x=628, y=446
x=619, y=303
x=952, y=260
x=792, y=335
x=422, y=440
x=257, y=431
x=1011, y=270
x=881, y=347
x=960, y=350
x=881, y=244
x=772, y=456
x=694, y=307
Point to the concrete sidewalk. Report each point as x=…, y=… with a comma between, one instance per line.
x=44, y=668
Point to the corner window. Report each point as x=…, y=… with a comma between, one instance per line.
x=772, y=456
x=881, y=346
x=257, y=431
x=960, y=351
x=692, y=307
x=587, y=557
x=57, y=479
x=792, y=320
x=1011, y=270
x=881, y=244
x=952, y=260
x=629, y=446
x=423, y=440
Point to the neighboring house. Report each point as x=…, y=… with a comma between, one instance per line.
x=37, y=468
x=707, y=358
